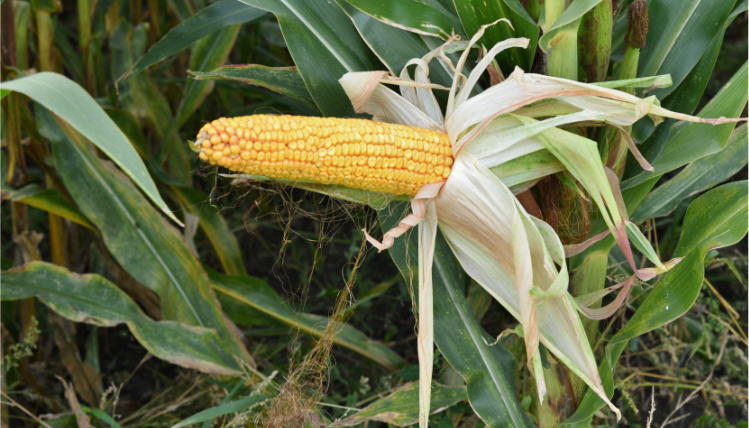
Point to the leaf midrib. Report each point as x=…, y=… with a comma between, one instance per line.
x=139, y=232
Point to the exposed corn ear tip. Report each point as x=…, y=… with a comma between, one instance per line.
x=356, y=153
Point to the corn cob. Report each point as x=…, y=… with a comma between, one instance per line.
x=356, y=153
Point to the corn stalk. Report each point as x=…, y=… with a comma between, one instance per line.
x=581, y=51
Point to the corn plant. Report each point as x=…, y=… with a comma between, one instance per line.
x=520, y=152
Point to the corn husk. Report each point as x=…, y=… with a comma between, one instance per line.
x=517, y=258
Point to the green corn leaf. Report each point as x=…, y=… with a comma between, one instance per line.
x=127, y=122
x=324, y=45
x=715, y=219
x=521, y=172
x=183, y=9
x=634, y=194
x=475, y=13
x=258, y=295
x=93, y=299
x=698, y=176
x=690, y=141
x=209, y=53
x=72, y=104
x=395, y=46
x=428, y=17
x=401, y=408
x=138, y=238
x=71, y=58
x=685, y=29
x=50, y=200
x=591, y=403
x=142, y=97
x=718, y=218
x=102, y=416
x=570, y=18
x=639, y=241
x=687, y=95
x=129, y=125
x=213, y=224
x=640, y=82
x=239, y=406
x=213, y=18
x=282, y=80
x=560, y=35
x=581, y=159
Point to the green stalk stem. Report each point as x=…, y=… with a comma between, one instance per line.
x=553, y=9
x=45, y=40
x=84, y=38
x=534, y=8
x=561, y=60
x=590, y=274
x=26, y=308
x=581, y=52
x=628, y=68
x=136, y=12
x=16, y=168
x=588, y=277
x=153, y=11
x=617, y=149
x=17, y=174
x=562, y=57
x=112, y=17
x=637, y=30
x=561, y=400
x=21, y=34
x=594, y=42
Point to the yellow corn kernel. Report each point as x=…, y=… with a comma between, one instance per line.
x=356, y=153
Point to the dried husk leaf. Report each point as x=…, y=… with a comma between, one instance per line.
x=427, y=236
x=475, y=212
x=369, y=96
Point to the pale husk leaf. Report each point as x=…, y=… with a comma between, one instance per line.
x=522, y=89
x=521, y=173
x=581, y=159
x=477, y=71
x=422, y=98
x=503, y=140
x=427, y=236
x=475, y=212
x=369, y=96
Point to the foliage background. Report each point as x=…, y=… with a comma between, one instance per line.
x=299, y=247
